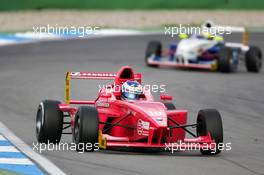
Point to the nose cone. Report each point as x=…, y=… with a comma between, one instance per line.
x=186, y=44
x=156, y=112
x=187, y=48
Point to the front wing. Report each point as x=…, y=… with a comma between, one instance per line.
x=201, y=142
x=212, y=66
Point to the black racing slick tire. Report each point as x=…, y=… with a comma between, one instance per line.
x=209, y=121
x=86, y=129
x=226, y=62
x=253, y=59
x=49, y=122
x=153, y=47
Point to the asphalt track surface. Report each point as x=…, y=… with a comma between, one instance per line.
x=32, y=72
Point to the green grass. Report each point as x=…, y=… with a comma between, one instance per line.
x=4, y=172
x=131, y=4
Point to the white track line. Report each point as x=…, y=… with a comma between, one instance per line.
x=101, y=34
x=43, y=162
x=16, y=161
x=8, y=149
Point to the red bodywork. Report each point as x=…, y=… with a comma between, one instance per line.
x=141, y=123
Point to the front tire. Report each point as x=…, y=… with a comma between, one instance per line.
x=86, y=126
x=153, y=47
x=226, y=62
x=49, y=122
x=253, y=59
x=209, y=121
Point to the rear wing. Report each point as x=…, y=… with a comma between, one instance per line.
x=233, y=29
x=243, y=30
x=83, y=75
x=89, y=76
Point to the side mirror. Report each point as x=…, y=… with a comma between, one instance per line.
x=165, y=97
x=105, y=95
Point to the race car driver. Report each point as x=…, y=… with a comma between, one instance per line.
x=131, y=90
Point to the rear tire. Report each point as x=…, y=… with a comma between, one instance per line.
x=253, y=59
x=49, y=122
x=86, y=126
x=209, y=121
x=153, y=47
x=226, y=62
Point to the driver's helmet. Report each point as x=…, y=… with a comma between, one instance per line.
x=131, y=90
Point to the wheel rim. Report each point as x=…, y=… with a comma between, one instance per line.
x=233, y=63
x=259, y=62
x=200, y=128
x=77, y=131
x=40, y=118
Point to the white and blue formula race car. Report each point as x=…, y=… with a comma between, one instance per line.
x=204, y=51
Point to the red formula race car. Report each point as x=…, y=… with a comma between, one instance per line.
x=126, y=117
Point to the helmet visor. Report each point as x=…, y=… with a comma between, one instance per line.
x=130, y=96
